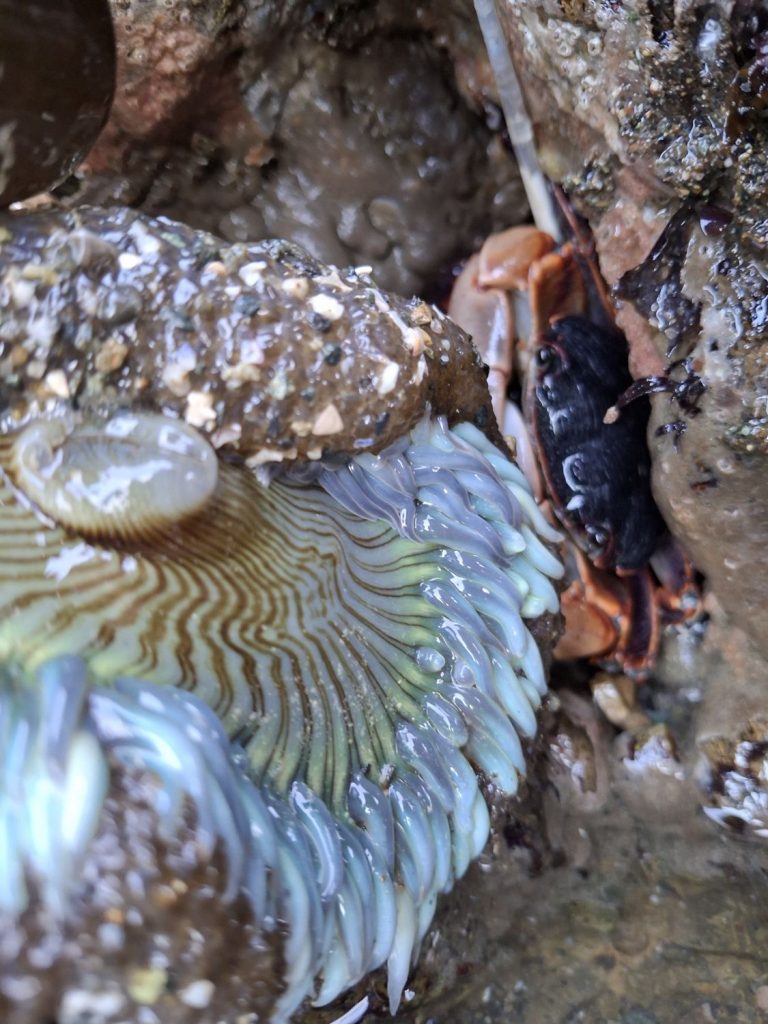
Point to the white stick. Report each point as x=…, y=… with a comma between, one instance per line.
x=516, y=117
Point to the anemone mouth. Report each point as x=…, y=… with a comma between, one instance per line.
x=320, y=666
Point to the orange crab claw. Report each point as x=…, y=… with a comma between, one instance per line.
x=507, y=257
x=609, y=619
x=589, y=631
x=594, y=606
x=516, y=266
x=556, y=290
x=546, y=284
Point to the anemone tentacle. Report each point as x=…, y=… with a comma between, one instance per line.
x=318, y=668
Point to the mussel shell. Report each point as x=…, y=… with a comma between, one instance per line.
x=57, y=76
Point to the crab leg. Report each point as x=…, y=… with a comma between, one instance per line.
x=544, y=286
x=480, y=304
x=638, y=647
x=583, y=243
x=485, y=313
x=680, y=595
x=594, y=606
x=610, y=619
x=639, y=389
x=507, y=257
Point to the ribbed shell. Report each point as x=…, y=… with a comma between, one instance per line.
x=121, y=478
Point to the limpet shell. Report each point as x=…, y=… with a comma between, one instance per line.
x=123, y=478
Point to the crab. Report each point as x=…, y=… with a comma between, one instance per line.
x=582, y=440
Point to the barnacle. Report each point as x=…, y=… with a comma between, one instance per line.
x=300, y=681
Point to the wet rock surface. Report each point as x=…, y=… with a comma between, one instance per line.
x=359, y=133
x=652, y=118
x=648, y=943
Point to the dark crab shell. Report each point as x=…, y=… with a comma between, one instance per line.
x=598, y=474
x=57, y=68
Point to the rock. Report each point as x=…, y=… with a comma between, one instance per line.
x=732, y=731
x=346, y=130
x=57, y=57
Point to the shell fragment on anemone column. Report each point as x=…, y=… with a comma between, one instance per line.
x=298, y=687
x=122, y=477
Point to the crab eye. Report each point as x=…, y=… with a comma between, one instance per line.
x=547, y=357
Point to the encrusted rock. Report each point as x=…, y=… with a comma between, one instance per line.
x=345, y=129
x=271, y=353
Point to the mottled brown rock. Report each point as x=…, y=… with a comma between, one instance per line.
x=731, y=729
x=652, y=117
x=344, y=127
x=271, y=353
x=165, y=54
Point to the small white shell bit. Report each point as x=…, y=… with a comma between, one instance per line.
x=238, y=767
x=124, y=477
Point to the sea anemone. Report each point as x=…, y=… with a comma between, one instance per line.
x=245, y=711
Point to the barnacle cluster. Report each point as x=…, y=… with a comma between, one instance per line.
x=247, y=701
x=733, y=774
